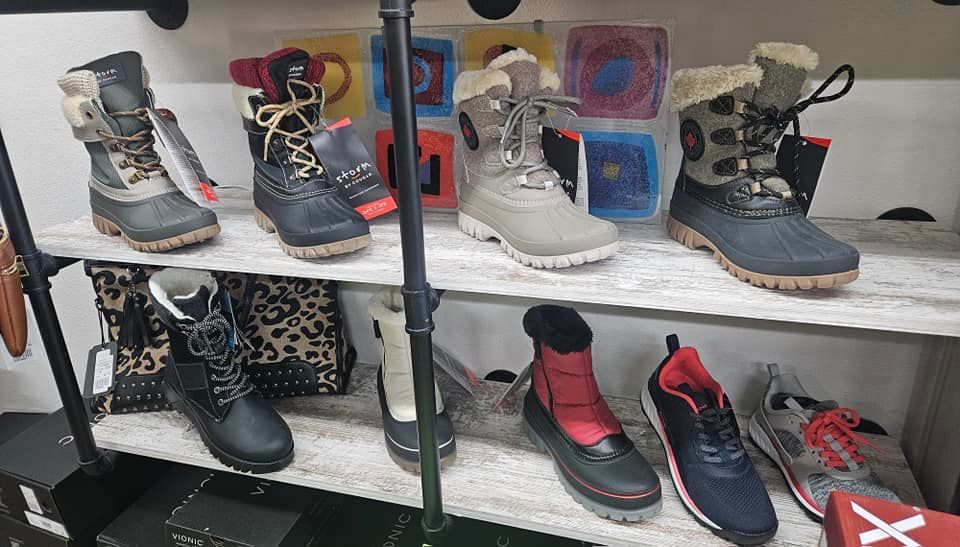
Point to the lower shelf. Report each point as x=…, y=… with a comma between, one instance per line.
x=498, y=476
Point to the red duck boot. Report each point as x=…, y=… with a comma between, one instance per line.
x=565, y=416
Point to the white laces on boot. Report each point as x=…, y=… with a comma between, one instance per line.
x=525, y=115
x=209, y=340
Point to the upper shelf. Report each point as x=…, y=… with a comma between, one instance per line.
x=909, y=271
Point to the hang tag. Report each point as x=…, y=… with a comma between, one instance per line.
x=351, y=170
x=234, y=330
x=191, y=178
x=101, y=369
x=443, y=359
x=507, y=403
x=561, y=149
x=812, y=154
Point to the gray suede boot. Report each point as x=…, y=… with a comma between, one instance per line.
x=509, y=192
x=729, y=196
x=130, y=193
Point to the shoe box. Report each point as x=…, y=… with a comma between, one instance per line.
x=42, y=485
x=853, y=520
x=14, y=533
x=143, y=523
x=360, y=522
x=243, y=511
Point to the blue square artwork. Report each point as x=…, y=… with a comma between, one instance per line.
x=433, y=74
x=622, y=176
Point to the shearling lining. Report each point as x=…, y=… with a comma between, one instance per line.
x=695, y=85
x=512, y=56
x=549, y=79
x=473, y=83
x=795, y=55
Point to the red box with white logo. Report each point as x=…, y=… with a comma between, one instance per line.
x=852, y=520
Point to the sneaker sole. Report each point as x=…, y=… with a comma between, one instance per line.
x=593, y=506
x=232, y=462
x=695, y=240
x=108, y=227
x=766, y=445
x=477, y=229
x=651, y=412
x=313, y=251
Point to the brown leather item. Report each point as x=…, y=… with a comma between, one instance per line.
x=13, y=312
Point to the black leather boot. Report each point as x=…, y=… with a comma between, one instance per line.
x=281, y=102
x=202, y=382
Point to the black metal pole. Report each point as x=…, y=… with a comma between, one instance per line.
x=36, y=285
x=418, y=297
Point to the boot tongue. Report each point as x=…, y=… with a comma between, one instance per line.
x=807, y=405
x=524, y=78
x=289, y=66
x=702, y=399
x=121, y=87
x=195, y=305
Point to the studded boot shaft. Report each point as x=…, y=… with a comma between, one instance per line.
x=131, y=195
x=508, y=191
x=280, y=100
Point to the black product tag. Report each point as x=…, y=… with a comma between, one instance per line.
x=455, y=368
x=351, y=170
x=561, y=148
x=101, y=369
x=812, y=154
x=507, y=402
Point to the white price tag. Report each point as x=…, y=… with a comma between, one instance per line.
x=103, y=371
x=191, y=177
x=49, y=525
x=31, y=497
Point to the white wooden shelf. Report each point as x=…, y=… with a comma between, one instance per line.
x=910, y=271
x=498, y=475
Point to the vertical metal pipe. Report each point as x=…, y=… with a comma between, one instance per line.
x=418, y=296
x=37, y=286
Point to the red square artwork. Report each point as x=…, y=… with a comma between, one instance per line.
x=434, y=171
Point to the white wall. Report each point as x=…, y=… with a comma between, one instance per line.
x=894, y=137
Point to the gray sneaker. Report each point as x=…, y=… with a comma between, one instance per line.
x=509, y=192
x=105, y=102
x=813, y=444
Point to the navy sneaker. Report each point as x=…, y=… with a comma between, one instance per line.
x=711, y=472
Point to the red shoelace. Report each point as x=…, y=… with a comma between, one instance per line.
x=837, y=423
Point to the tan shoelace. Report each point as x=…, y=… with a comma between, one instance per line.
x=297, y=141
x=145, y=136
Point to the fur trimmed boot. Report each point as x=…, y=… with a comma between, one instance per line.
x=395, y=387
x=565, y=415
x=509, y=192
x=105, y=101
x=729, y=196
x=204, y=383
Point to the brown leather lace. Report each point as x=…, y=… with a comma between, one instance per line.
x=145, y=137
x=297, y=141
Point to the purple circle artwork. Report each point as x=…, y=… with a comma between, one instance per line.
x=617, y=71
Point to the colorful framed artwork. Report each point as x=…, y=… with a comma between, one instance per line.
x=435, y=170
x=617, y=71
x=434, y=69
x=343, y=79
x=482, y=46
x=623, y=179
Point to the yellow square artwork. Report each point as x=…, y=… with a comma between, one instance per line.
x=482, y=46
x=343, y=78
x=611, y=170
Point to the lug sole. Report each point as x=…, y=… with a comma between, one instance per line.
x=234, y=463
x=414, y=467
x=108, y=227
x=477, y=229
x=313, y=251
x=599, y=509
x=693, y=239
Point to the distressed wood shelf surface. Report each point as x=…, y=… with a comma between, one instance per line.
x=498, y=475
x=910, y=271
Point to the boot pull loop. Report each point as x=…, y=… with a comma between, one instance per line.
x=673, y=343
x=376, y=329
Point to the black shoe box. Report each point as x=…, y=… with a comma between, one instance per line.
x=143, y=523
x=361, y=522
x=244, y=511
x=41, y=483
x=14, y=533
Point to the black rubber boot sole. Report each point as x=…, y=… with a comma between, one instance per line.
x=233, y=462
